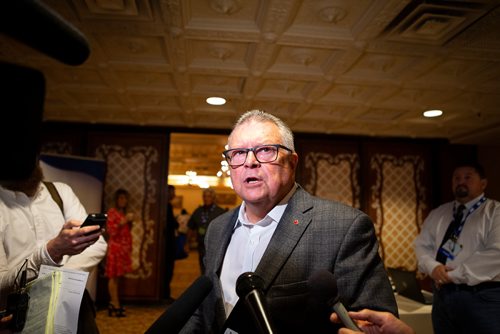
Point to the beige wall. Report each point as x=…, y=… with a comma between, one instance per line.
x=489, y=157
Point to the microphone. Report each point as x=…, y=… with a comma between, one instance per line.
x=323, y=286
x=22, y=92
x=36, y=25
x=179, y=312
x=249, y=287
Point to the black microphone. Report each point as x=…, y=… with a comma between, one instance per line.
x=36, y=25
x=323, y=287
x=179, y=312
x=22, y=92
x=249, y=287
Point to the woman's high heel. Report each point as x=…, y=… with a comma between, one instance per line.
x=118, y=312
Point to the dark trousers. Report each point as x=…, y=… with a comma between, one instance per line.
x=86, y=317
x=461, y=309
x=201, y=256
x=169, y=267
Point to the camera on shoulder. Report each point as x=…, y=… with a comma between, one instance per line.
x=18, y=301
x=17, y=305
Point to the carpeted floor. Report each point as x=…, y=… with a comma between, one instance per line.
x=141, y=316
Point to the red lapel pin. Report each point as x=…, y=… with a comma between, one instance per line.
x=296, y=222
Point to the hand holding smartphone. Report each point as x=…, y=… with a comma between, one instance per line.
x=95, y=219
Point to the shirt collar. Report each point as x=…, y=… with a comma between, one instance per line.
x=470, y=203
x=18, y=195
x=274, y=215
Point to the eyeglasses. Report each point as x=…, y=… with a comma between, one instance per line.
x=236, y=157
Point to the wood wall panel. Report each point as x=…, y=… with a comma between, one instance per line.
x=63, y=140
x=330, y=169
x=136, y=162
x=398, y=177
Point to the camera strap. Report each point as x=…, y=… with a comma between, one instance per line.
x=55, y=195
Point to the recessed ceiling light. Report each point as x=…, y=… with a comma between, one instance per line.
x=433, y=113
x=216, y=101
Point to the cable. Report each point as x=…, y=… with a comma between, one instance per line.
x=22, y=283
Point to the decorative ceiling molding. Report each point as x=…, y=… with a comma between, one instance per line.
x=366, y=67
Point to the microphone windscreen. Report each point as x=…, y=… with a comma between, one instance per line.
x=322, y=285
x=179, y=312
x=36, y=25
x=22, y=92
x=247, y=282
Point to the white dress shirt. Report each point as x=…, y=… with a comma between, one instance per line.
x=479, y=259
x=26, y=224
x=247, y=246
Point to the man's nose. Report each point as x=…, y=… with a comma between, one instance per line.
x=251, y=159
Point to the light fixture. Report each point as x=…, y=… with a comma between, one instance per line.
x=216, y=101
x=433, y=113
x=192, y=179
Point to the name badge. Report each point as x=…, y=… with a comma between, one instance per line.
x=451, y=249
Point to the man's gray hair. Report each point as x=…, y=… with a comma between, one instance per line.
x=211, y=192
x=262, y=117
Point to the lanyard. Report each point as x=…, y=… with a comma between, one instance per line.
x=205, y=214
x=473, y=208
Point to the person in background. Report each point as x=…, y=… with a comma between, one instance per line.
x=119, y=257
x=171, y=226
x=182, y=249
x=459, y=248
x=374, y=322
x=183, y=219
x=34, y=227
x=200, y=219
x=284, y=235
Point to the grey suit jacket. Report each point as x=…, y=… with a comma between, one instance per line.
x=312, y=234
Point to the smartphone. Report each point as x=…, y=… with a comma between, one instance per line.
x=95, y=219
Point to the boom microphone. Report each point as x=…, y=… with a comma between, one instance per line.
x=36, y=25
x=323, y=286
x=22, y=92
x=249, y=287
x=179, y=312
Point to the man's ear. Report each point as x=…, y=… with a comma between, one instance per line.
x=484, y=183
x=294, y=160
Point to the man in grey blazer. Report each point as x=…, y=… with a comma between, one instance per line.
x=284, y=235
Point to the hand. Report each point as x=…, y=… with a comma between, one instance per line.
x=440, y=275
x=4, y=324
x=71, y=240
x=375, y=322
x=130, y=217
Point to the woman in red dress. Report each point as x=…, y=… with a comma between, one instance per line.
x=118, y=259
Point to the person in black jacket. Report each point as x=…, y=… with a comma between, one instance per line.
x=170, y=227
x=201, y=217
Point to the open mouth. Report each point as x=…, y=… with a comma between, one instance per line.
x=251, y=180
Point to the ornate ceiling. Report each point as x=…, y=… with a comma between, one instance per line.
x=364, y=67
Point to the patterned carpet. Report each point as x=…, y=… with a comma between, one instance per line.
x=141, y=316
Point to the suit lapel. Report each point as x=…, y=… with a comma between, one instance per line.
x=290, y=229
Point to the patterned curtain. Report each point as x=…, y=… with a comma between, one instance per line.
x=398, y=199
x=130, y=168
x=334, y=177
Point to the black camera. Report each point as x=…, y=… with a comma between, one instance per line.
x=18, y=301
x=17, y=305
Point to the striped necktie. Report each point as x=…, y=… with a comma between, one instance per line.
x=457, y=219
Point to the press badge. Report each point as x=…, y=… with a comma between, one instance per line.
x=451, y=249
